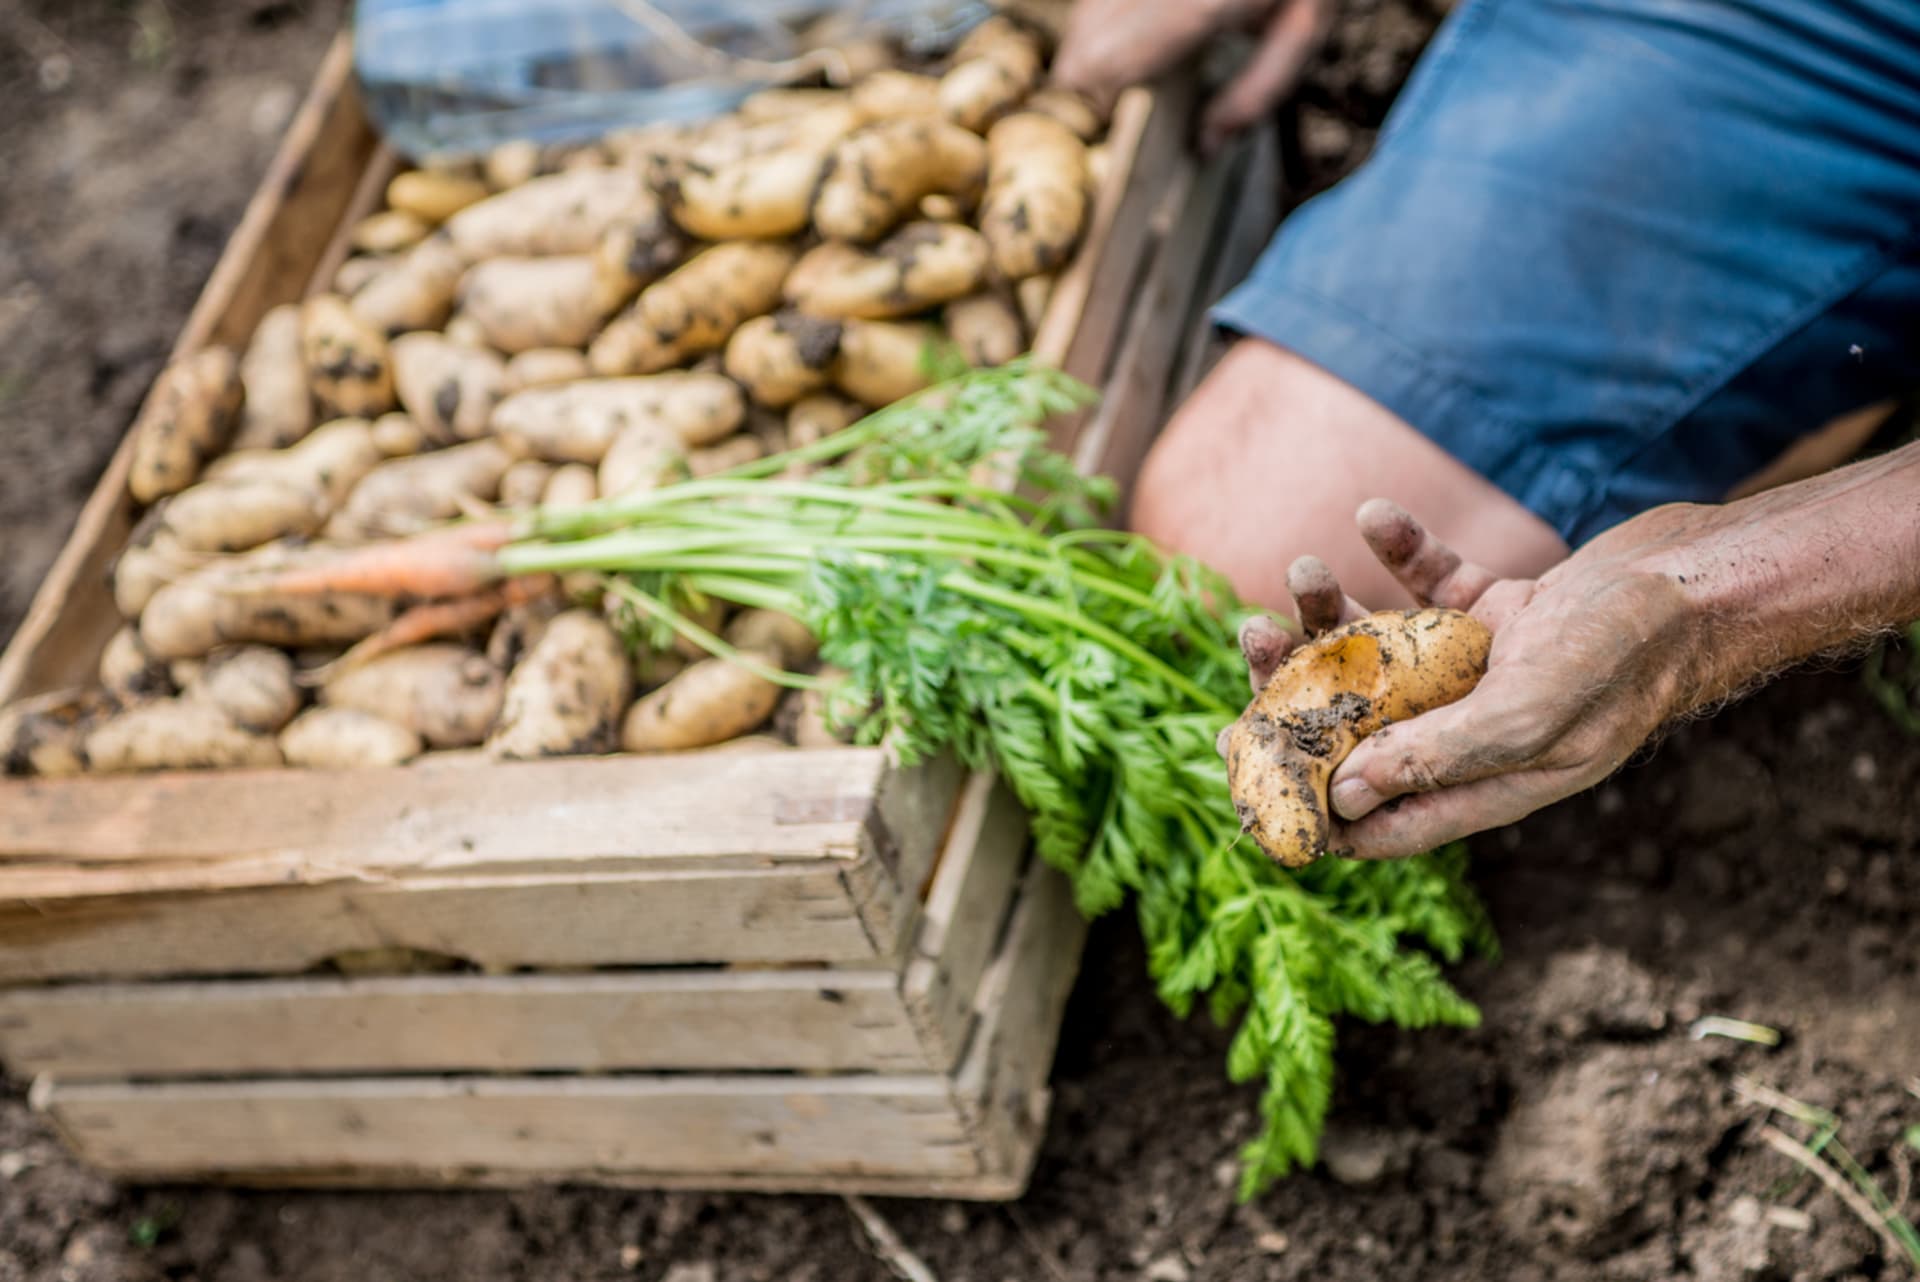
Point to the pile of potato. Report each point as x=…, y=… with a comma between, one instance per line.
x=553, y=326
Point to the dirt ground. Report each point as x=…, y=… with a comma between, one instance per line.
x=1761, y=865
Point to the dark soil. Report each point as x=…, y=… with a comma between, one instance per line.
x=1761, y=865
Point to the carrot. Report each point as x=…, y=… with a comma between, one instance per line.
x=434, y=620
x=453, y=562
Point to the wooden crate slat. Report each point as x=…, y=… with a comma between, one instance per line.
x=663, y=1019
x=773, y=914
x=961, y=929
x=686, y=1124
x=267, y=261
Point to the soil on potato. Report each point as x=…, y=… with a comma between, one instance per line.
x=1761, y=865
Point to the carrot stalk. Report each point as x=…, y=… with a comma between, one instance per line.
x=435, y=619
x=454, y=562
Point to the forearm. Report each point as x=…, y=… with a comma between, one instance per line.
x=1811, y=567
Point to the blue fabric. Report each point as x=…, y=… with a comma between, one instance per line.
x=1617, y=253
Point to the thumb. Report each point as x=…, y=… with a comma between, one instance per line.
x=1289, y=39
x=1449, y=746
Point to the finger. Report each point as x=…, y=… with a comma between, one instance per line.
x=1290, y=38
x=1317, y=596
x=1264, y=644
x=1418, y=824
x=1460, y=743
x=1425, y=566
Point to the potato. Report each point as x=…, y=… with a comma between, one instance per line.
x=918, y=267
x=883, y=361
x=354, y=274
x=448, y=390
x=278, y=409
x=523, y=303
x=329, y=462
x=879, y=174
x=346, y=739
x=771, y=632
x=233, y=515
x=643, y=456
x=565, y=698
x=1037, y=195
x=994, y=68
x=389, y=232
x=128, y=671
x=820, y=416
x=398, y=436
x=767, y=189
x=942, y=209
x=348, y=367
x=577, y=422
x=544, y=367
x=803, y=716
x=571, y=485
x=447, y=694
x=413, y=291
x=523, y=483
x=712, y=701
x=1071, y=109
x=511, y=163
x=635, y=251
x=1326, y=697
x=432, y=198
x=724, y=457
x=891, y=94
x=782, y=357
x=986, y=328
x=1033, y=295
x=563, y=213
x=213, y=606
x=152, y=558
x=175, y=734
x=45, y=734
x=694, y=309
x=187, y=419
x=251, y=685
x=783, y=104
x=1099, y=166
x=404, y=495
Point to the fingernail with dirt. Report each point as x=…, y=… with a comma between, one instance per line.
x=1353, y=798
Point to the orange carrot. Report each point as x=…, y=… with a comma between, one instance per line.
x=436, y=619
x=453, y=562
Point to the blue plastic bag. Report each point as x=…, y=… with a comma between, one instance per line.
x=455, y=77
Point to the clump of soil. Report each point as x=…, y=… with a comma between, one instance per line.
x=1764, y=865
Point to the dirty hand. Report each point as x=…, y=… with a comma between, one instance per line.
x=1588, y=662
x=1112, y=44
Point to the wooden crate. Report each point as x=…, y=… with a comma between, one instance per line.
x=754, y=969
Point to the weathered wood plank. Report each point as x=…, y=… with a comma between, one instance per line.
x=778, y=914
x=1252, y=214
x=700, y=1020
x=684, y=1124
x=965, y=916
x=267, y=261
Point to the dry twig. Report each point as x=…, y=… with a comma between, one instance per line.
x=887, y=1245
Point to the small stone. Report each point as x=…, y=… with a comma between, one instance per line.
x=1864, y=768
x=630, y=1256
x=11, y=1164
x=1227, y=1173
x=1790, y=1218
x=953, y=1220
x=1273, y=1242
x=1744, y=1210
x=79, y=1253
x=1357, y=1156
x=698, y=1271
x=1168, y=1268
x=56, y=72
x=1835, y=881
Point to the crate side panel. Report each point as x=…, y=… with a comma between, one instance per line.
x=771, y=914
x=684, y=1125
x=667, y=1019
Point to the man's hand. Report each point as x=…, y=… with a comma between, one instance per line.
x=1112, y=44
x=1588, y=662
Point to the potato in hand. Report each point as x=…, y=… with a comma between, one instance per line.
x=1326, y=697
